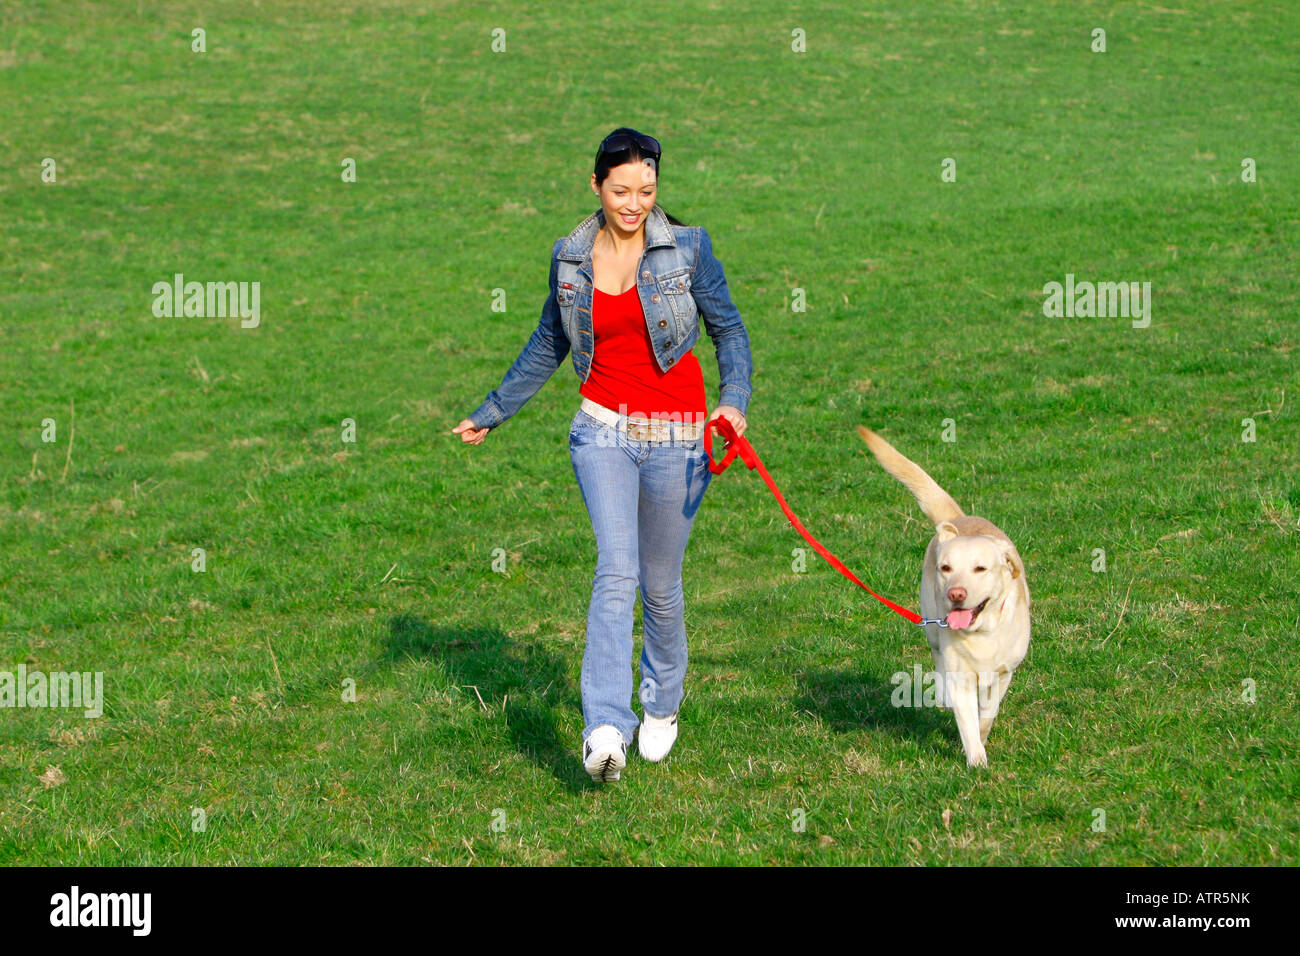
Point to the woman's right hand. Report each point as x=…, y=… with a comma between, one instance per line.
x=469, y=434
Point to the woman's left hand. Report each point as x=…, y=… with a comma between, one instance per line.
x=732, y=414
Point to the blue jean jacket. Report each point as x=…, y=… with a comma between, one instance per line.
x=679, y=281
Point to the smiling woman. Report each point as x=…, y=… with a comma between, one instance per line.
x=628, y=288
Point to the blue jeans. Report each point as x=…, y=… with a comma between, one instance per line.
x=642, y=498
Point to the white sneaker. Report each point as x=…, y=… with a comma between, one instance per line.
x=657, y=736
x=604, y=753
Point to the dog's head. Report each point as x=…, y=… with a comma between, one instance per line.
x=974, y=571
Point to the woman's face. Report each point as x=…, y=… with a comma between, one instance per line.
x=627, y=195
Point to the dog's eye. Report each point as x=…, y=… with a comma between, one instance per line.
x=945, y=568
x=979, y=569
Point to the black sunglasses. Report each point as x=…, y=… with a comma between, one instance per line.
x=620, y=142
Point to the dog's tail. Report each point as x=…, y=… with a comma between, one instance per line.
x=934, y=501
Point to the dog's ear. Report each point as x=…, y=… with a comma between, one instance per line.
x=946, y=531
x=1009, y=557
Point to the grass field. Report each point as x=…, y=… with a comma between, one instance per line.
x=226, y=736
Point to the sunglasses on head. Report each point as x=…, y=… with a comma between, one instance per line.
x=621, y=142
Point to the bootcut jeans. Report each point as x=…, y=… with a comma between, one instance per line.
x=642, y=497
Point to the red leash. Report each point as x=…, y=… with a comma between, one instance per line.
x=736, y=445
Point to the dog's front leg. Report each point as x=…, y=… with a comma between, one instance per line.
x=966, y=708
x=991, y=694
x=943, y=684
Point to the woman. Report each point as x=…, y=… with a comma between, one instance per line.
x=627, y=290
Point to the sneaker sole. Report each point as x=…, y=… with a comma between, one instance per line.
x=607, y=770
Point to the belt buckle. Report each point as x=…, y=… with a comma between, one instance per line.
x=662, y=430
x=644, y=431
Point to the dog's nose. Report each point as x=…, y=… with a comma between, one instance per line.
x=956, y=595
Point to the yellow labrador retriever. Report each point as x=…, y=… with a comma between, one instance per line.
x=975, y=581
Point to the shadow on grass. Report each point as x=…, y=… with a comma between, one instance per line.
x=851, y=701
x=536, y=681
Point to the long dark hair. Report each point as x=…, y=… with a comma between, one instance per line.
x=633, y=154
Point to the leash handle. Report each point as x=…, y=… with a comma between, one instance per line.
x=737, y=445
x=734, y=445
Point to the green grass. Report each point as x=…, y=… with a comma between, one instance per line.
x=817, y=170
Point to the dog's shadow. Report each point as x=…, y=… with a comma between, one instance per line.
x=851, y=701
x=485, y=660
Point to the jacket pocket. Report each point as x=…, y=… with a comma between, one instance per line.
x=677, y=282
x=676, y=290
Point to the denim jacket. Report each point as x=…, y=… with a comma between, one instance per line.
x=679, y=282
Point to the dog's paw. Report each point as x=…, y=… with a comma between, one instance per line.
x=977, y=759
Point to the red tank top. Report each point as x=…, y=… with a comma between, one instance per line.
x=624, y=371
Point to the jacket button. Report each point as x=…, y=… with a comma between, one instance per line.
x=645, y=274
x=663, y=324
x=670, y=361
x=668, y=345
x=655, y=297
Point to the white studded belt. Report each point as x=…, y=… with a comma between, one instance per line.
x=644, y=429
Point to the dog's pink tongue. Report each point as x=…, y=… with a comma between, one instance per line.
x=960, y=620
